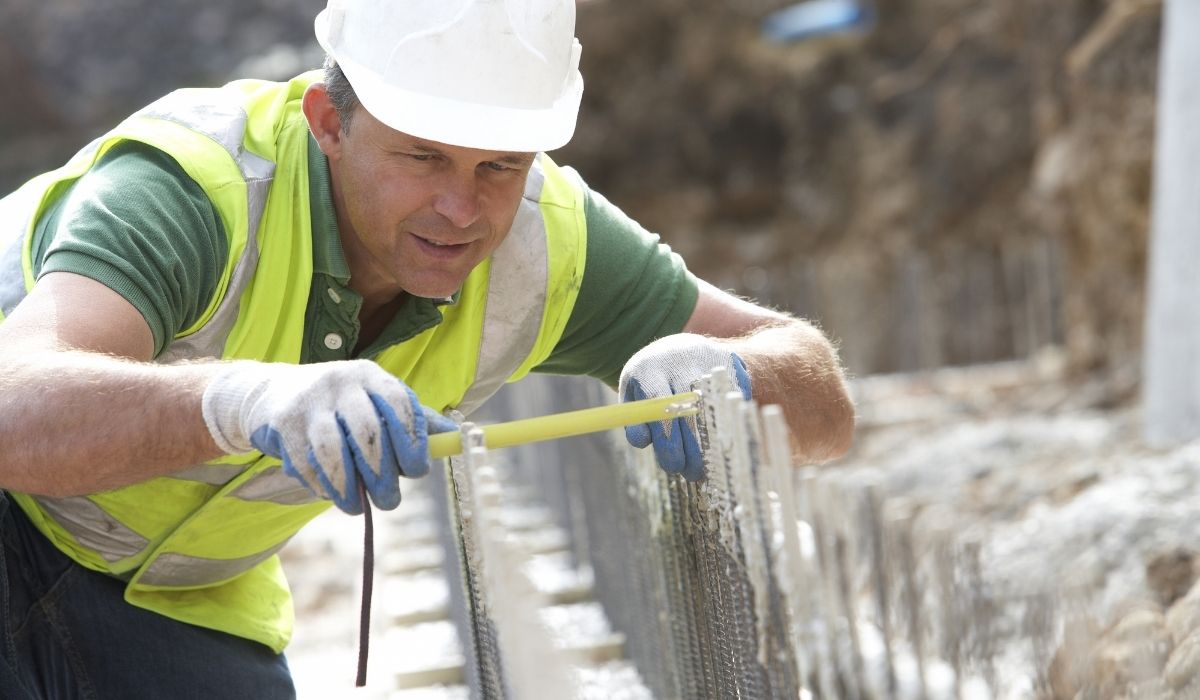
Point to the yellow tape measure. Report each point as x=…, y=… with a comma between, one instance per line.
x=571, y=423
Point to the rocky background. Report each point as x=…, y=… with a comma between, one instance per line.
x=965, y=181
x=73, y=68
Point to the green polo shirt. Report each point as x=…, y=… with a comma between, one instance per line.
x=139, y=225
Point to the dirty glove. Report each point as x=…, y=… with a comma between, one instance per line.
x=669, y=366
x=331, y=424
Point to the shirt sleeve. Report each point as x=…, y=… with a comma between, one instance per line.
x=635, y=289
x=138, y=224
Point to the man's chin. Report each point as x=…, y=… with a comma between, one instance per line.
x=434, y=290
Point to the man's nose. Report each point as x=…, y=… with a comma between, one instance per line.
x=458, y=199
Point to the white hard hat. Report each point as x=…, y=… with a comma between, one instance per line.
x=492, y=74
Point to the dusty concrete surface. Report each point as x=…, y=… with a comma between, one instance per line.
x=415, y=651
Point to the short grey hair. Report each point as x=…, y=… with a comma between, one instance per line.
x=341, y=92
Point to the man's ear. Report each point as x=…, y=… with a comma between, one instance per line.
x=323, y=119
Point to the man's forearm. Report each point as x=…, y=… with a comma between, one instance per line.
x=793, y=365
x=73, y=423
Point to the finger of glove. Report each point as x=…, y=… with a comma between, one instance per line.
x=405, y=423
x=347, y=500
x=379, y=476
x=436, y=422
x=667, y=436
x=693, y=457
x=332, y=462
x=638, y=435
x=270, y=442
x=362, y=427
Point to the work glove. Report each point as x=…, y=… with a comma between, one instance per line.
x=666, y=367
x=332, y=424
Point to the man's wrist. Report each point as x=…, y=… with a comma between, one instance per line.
x=222, y=405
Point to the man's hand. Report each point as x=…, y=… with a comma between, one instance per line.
x=331, y=424
x=669, y=366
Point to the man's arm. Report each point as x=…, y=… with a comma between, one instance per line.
x=81, y=409
x=790, y=363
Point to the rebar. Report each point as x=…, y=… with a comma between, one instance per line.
x=764, y=581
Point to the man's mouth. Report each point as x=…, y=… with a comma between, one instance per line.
x=442, y=249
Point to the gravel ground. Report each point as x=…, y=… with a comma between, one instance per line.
x=1058, y=488
x=1053, y=480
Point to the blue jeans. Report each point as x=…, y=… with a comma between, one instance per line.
x=68, y=633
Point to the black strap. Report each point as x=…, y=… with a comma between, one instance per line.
x=364, y=620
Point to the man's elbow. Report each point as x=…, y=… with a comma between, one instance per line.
x=825, y=431
x=836, y=434
x=842, y=431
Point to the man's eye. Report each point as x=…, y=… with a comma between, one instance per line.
x=421, y=157
x=498, y=167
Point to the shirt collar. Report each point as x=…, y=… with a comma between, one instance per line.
x=328, y=258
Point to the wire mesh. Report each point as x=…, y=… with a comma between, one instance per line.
x=764, y=580
x=684, y=569
x=469, y=604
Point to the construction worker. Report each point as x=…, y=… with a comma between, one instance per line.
x=243, y=305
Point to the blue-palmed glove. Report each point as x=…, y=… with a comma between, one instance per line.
x=332, y=424
x=669, y=366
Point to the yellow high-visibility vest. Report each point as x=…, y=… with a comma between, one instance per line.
x=199, y=545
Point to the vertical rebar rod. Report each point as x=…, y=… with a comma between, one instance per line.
x=902, y=527
x=881, y=584
x=951, y=622
x=824, y=622
x=791, y=570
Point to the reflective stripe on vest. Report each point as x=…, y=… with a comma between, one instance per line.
x=17, y=212
x=225, y=124
x=15, y=216
x=273, y=486
x=183, y=571
x=210, y=473
x=515, y=299
x=93, y=527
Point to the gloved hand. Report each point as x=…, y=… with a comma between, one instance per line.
x=331, y=424
x=669, y=366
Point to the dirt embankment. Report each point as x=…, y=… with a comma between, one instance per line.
x=968, y=181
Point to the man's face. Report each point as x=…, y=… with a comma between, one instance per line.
x=416, y=215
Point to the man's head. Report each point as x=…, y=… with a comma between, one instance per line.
x=431, y=114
